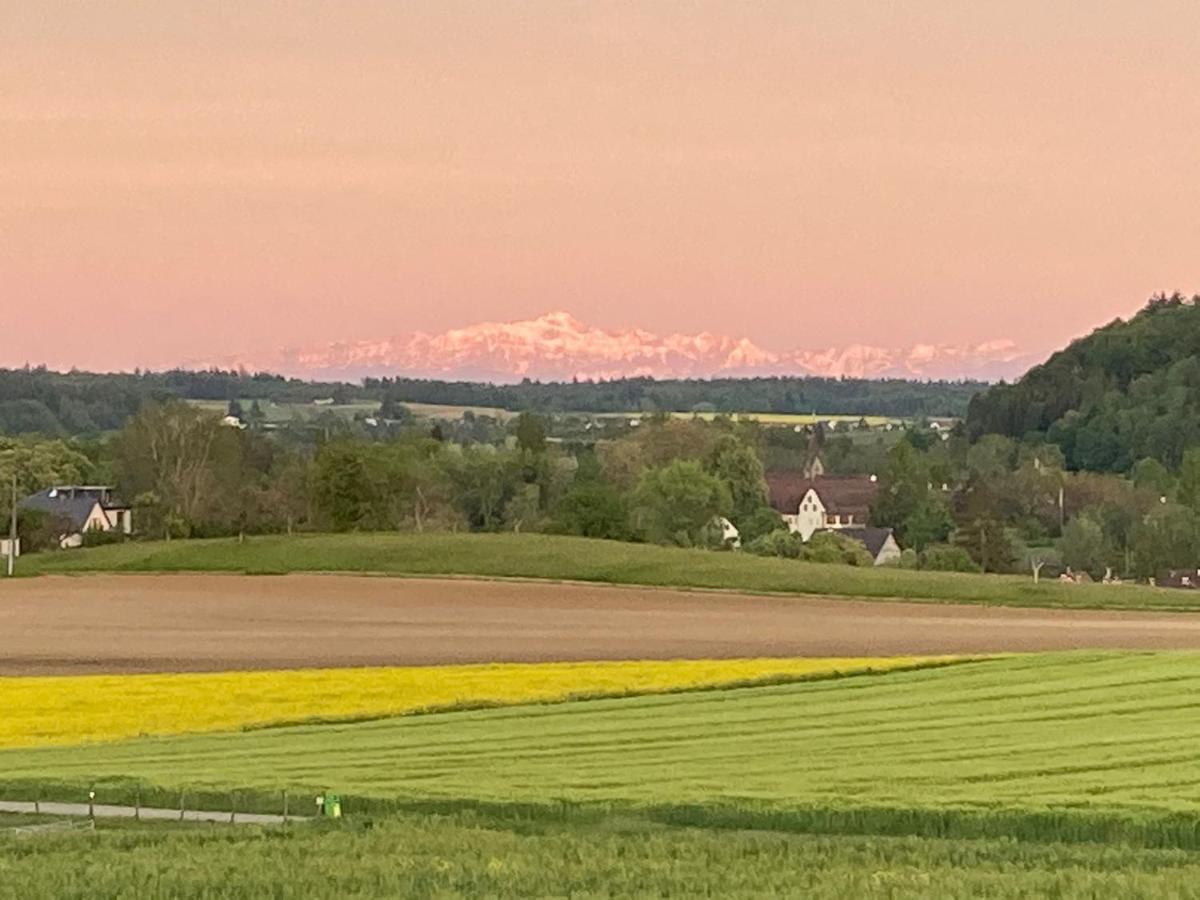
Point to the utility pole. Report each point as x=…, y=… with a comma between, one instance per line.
x=12, y=526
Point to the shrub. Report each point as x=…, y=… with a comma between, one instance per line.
x=761, y=523
x=39, y=530
x=831, y=547
x=97, y=538
x=946, y=558
x=781, y=543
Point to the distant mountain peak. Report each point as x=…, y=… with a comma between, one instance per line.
x=558, y=346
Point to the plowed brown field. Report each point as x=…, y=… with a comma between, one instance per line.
x=157, y=623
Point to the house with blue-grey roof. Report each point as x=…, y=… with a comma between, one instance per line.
x=81, y=508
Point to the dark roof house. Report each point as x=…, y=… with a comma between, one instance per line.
x=876, y=540
x=81, y=508
x=75, y=509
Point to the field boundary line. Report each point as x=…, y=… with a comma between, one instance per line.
x=765, y=681
x=159, y=813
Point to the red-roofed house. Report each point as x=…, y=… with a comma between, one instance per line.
x=831, y=503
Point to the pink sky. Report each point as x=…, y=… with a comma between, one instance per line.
x=185, y=180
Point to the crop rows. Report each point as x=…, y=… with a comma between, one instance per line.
x=1097, y=732
x=45, y=711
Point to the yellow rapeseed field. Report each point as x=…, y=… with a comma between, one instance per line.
x=42, y=711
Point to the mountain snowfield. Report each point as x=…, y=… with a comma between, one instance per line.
x=557, y=346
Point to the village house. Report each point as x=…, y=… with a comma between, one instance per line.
x=840, y=503
x=880, y=543
x=80, y=509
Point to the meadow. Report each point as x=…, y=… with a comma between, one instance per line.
x=468, y=854
x=70, y=710
x=1055, y=747
x=539, y=556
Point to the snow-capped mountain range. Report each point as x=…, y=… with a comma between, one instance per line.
x=557, y=346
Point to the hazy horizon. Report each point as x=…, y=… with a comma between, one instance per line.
x=190, y=183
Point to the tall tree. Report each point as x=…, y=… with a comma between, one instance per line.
x=40, y=464
x=740, y=468
x=1085, y=547
x=678, y=502
x=162, y=460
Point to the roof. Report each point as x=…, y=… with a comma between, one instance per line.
x=844, y=495
x=74, y=507
x=871, y=538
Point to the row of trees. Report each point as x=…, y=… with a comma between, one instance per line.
x=1014, y=506
x=188, y=475
x=778, y=394
x=996, y=504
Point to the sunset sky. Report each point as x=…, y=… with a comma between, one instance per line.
x=183, y=180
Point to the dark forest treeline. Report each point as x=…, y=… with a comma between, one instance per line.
x=39, y=401
x=850, y=396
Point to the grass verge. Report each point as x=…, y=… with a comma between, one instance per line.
x=473, y=853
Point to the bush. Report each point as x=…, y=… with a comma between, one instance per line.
x=39, y=530
x=97, y=538
x=761, y=523
x=593, y=509
x=781, y=543
x=945, y=558
x=831, y=547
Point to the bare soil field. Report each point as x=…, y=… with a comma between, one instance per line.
x=158, y=623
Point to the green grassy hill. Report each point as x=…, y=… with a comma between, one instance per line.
x=582, y=559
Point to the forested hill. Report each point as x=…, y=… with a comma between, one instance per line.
x=1127, y=392
x=38, y=401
